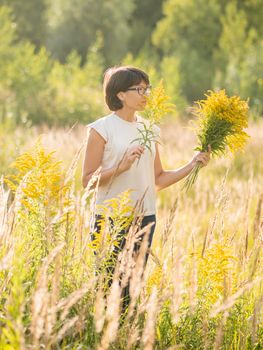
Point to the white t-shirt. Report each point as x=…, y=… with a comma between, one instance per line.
x=140, y=178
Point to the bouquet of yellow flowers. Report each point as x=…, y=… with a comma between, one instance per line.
x=221, y=123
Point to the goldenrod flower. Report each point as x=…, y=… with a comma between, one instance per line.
x=217, y=272
x=157, y=107
x=41, y=177
x=221, y=122
x=121, y=211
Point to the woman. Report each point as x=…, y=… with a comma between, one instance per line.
x=126, y=164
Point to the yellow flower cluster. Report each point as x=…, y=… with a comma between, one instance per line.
x=156, y=108
x=39, y=177
x=120, y=210
x=217, y=272
x=230, y=109
x=158, y=105
x=155, y=279
x=118, y=207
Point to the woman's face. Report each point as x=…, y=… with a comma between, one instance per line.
x=135, y=96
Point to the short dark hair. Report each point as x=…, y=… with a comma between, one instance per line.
x=117, y=79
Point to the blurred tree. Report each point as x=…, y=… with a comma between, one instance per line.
x=36, y=89
x=239, y=57
x=190, y=31
x=23, y=73
x=75, y=90
x=253, y=10
x=7, y=35
x=143, y=21
x=171, y=74
x=28, y=75
x=210, y=38
x=30, y=19
x=73, y=24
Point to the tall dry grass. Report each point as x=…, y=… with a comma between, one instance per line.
x=201, y=289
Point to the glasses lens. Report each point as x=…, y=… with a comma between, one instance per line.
x=141, y=90
x=144, y=91
x=148, y=90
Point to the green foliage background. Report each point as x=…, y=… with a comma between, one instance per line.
x=53, y=54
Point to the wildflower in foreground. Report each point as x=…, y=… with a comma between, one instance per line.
x=157, y=107
x=221, y=123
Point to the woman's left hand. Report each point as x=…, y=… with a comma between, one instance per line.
x=202, y=157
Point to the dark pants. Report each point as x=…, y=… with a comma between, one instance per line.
x=119, y=247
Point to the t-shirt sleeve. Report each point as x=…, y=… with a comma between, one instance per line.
x=100, y=127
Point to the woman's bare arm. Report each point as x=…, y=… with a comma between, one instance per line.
x=165, y=178
x=93, y=159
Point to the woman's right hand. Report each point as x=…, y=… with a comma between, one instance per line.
x=129, y=157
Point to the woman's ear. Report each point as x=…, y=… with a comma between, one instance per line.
x=121, y=95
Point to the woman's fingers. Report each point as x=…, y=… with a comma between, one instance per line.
x=203, y=158
x=134, y=153
x=129, y=157
x=137, y=150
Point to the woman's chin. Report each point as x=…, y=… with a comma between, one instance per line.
x=141, y=107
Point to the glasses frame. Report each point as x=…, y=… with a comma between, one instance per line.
x=146, y=91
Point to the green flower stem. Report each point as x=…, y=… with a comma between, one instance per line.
x=191, y=178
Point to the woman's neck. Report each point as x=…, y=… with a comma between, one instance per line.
x=126, y=114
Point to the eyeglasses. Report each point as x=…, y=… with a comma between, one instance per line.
x=141, y=90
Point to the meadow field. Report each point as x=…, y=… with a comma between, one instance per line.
x=203, y=284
